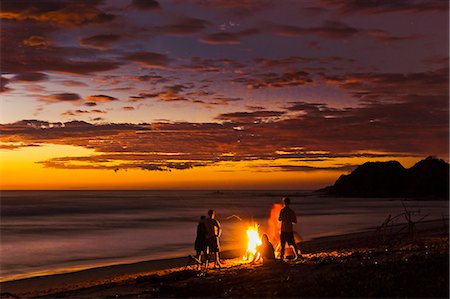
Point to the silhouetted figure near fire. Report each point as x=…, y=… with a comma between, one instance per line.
x=212, y=233
x=265, y=251
x=287, y=218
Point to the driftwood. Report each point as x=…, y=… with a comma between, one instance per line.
x=198, y=263
x=390, y=230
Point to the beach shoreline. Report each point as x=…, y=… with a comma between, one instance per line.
x=68, y=282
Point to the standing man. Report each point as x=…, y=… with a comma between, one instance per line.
x=287, y=218
x=200, y=242
x=212, y=234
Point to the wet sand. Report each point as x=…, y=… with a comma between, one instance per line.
x=371, y=263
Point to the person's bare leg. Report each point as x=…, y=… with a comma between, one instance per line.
x=199, y=257
x=282, y=251
x=217, y=260
x=295, y=249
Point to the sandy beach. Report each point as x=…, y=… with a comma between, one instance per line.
x=371, y=263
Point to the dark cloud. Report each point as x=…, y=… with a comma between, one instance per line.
x=275, y=80
x=312, y=109
x=81, y=112
x=401, y=126
x=249, y=117
x=152, y=78
x=61, y=97
x=255, y=108
x=181, y=93
x=100, y=98
x=183, y=26
x=305, y=168
x=97, y=119
x=19, y=58
x=292, y=61
x=384, y=36
x=171, y=93
x=313, y=10
x=151, y=59
x=206, y=65
x=376, y=86
x=223, y=100
x=30, y=77
x=221, y=38
x=235, y=7
x=98, y=111
x=100, y=162
x=331, y=29
x=145, y=4
x=14, y=146
x=100, y=41
x=63, y=66
x=398, y=113
x=370, y=7
x=52, y=60
x=336, y=29
x=228, y=38
x=412, y=125
x=57, y=12
x=138, y=98
x=80, y=67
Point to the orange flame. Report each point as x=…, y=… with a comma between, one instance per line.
x=273, y=225
x=254, y=240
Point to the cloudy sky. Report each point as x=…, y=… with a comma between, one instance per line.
x=218, y=94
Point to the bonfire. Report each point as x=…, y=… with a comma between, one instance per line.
x=254, y=240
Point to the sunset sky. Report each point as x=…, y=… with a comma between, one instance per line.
x=198, y=94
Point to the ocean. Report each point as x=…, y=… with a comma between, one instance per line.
x=48, y=232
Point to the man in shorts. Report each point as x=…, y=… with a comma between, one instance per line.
x=287, y=218
x=212, y=234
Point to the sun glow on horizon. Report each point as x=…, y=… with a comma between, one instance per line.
x=22, y=169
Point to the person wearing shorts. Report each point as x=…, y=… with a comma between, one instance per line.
x=200, y=241
x=287, y=218
x=212, y=233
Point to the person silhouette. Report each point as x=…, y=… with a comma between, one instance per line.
x=287, y=218
x=212, y=233
x=200, y=241
x=265, y=251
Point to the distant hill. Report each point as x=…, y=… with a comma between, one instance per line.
x=428, y=178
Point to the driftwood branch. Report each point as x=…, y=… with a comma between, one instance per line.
x=385, y=232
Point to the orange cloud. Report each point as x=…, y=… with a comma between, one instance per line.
x=101, y=98
x=36, y=41
x=61, y=13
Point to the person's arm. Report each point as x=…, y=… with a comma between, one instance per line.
x=294, y=218
x=279, y=217
x=219, y=229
